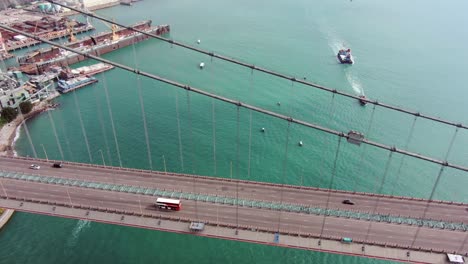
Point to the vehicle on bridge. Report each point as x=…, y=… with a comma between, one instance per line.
x=347, y=201
x=346, y=240
x=168, y=204
x=453, y=258
x=196, y=226
x=57, y=165
x=34, y=167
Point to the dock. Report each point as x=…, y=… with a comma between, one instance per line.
x=47, y=26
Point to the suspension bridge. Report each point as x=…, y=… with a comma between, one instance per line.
x=381, y=226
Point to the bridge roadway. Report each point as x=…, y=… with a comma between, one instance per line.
x=397, y=206
x=401, y=235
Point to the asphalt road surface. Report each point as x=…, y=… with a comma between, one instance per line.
x=256, y=217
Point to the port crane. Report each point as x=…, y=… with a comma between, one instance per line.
x=70, y=25
x=114, y=29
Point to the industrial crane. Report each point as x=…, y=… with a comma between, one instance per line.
x=70, y=25
x=112, y=27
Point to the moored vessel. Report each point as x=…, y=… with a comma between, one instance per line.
x=92, y=69
x=65, y=86
x=38, y=61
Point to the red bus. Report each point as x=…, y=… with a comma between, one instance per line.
x=169, y=204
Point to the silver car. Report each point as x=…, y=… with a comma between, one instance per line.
x=34, y=167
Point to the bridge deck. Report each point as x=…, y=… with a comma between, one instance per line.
x=396, y=206
x=257, y=218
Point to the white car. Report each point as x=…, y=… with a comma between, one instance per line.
x=34, y=167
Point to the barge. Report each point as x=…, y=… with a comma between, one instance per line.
x=38, y=61
x=92, y=69
x=65, y=86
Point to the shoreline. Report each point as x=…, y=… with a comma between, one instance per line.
x=5, y=216
x=10, y=132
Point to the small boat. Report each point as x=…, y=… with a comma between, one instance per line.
x=65, y=86
x=345, y=57
x=363, y=100
x=202, y=65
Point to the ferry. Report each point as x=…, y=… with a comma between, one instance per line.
x=345, y=57
x=65, y=86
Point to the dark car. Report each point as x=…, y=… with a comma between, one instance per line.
x=348, y=202
x=57, y=165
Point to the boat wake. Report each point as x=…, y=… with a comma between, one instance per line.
x=80, y=226
x=354, y=81
x=334, y=41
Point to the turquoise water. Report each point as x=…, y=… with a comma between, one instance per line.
x=406, y=54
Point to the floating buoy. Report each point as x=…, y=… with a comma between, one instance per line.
x=300, y=143
x=263, y=129
x=198, y=41
x=278, y=103
x=202, y=64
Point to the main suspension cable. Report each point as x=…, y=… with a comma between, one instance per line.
x=267, y=71
x=239, y=103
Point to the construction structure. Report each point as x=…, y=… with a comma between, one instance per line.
x=46, y=26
